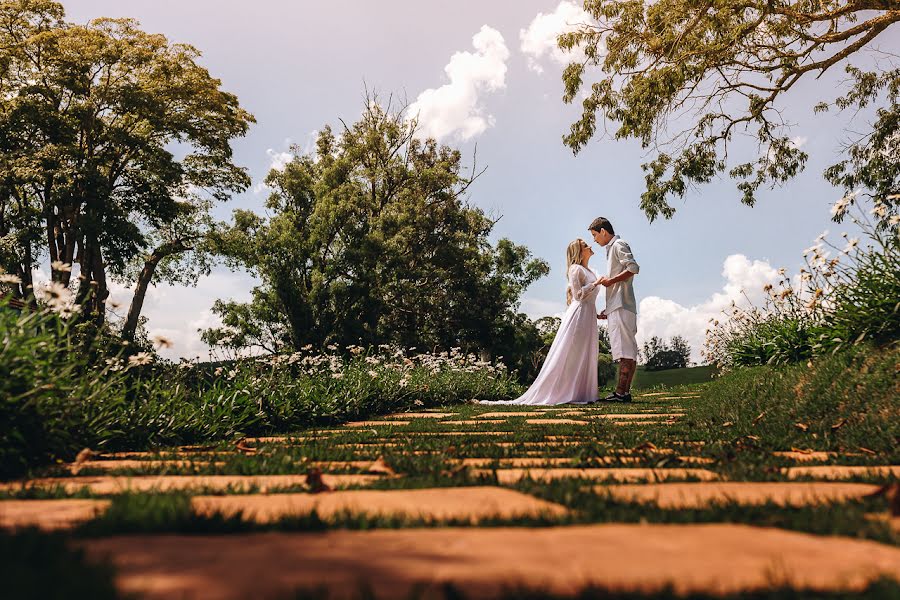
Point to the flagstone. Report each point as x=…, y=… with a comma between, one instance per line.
x=508, y=476
x=503, y=415
x=699, y=495
x=110, y=465
x=49, y=514
x=638, y=417
x=376, y=423
x=422, y=415
x=713, y=559
x=117, y=485
x=842, y=471
x=801, y=456
x=471, y=504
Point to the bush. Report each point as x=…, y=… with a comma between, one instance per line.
x=833, y=304
x=59, y=396
x=606, y=369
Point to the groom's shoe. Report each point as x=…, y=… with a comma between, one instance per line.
x=616, y=397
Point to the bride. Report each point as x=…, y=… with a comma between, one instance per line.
x=569, y=374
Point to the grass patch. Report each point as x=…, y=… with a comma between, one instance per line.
x=841, y=403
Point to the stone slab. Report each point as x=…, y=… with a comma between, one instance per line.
x=506, y=414
x=715, y=559
x=637, y=416
x=829, y=472
x=699, y=495
x=144, y=483
x=421, y=415
x=509, y=476
x=471, y=504
x=110, y=465
x=800, y=456
x=555, y=422
x=376, y=423
x=49, y=514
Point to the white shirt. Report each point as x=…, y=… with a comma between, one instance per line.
x=618, y=260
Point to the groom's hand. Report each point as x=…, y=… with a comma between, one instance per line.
x=605, y=281
x=602, y=315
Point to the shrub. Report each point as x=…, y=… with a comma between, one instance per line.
x=834, y=303
x=59, y=395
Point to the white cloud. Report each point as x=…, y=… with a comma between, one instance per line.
x=539, y=40
x=278, y=160
x=536, y=308
x=799, y=141
x=666, y=318
x=455, y=109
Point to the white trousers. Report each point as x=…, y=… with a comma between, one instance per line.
x=622, y=327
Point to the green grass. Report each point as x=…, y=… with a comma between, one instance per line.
x=646, y=380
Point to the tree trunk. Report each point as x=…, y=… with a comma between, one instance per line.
x=140, y=292
x=143, y=283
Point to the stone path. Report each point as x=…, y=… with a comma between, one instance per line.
x=467, y=465
x=717, y=558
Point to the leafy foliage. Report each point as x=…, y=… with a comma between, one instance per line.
x=685, y=77
x=89, y=116
x=659, y=355
x=370, y=241
x=834, y=303
x=61, y=392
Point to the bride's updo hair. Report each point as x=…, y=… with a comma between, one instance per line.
x=573, y=257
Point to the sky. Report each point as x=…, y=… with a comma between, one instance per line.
x=487, y=76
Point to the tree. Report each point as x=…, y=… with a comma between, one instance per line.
x=685, y=76
x=89, y=119
x=659, y=354
x=370, y=240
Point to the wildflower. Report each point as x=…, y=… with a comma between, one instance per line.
x=337, y=375
x=218, y=371
x=161, y=341
x=840, y=207
x=355, y=349
x=10, y=278
x=822, y=236
x=766, y=288
x=403, y=382
x=331, y=347
x=58, y=265
x=880, y=210
x=851, y=244
x=894, y=220
x=307, y=347
x=786, y=293
x=140, y=359
x=373, y=374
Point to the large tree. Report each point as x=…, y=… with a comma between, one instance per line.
x=105, y=133
x=370, y=240
x=686, y=76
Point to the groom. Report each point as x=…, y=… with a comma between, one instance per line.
x=621, y=307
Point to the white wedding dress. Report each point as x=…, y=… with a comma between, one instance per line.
x=569, y=374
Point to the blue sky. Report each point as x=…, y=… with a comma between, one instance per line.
x=300, y=65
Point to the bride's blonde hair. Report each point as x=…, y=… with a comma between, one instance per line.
x=573, y=257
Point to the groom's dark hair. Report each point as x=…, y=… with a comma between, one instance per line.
x=601, y=223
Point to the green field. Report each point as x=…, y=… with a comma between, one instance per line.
x=644, y=380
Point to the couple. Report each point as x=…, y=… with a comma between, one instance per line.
x=569, y=374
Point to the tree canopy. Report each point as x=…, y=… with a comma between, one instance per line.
x=686, y=76
x=371, y=240
x=108, y=135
